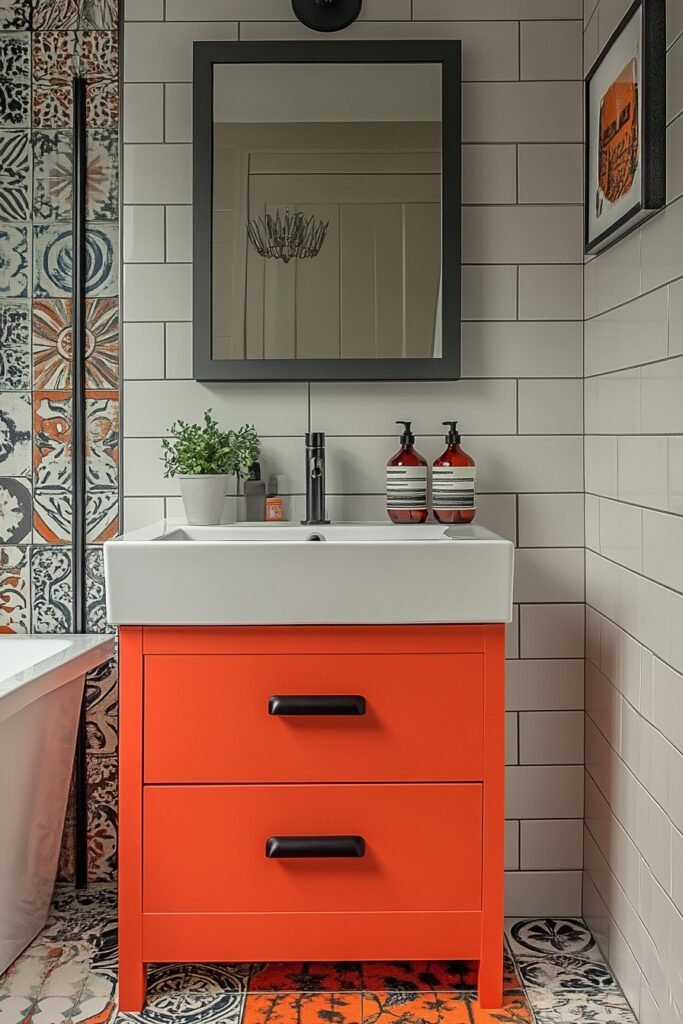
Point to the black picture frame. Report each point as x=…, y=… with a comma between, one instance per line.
x=446, y=53
x=652, y=195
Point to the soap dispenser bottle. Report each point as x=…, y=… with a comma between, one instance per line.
x=407, y=481
x=453, y=481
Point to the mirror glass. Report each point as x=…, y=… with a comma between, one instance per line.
x=326, y=211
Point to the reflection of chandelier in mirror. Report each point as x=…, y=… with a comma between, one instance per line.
x=287, y=238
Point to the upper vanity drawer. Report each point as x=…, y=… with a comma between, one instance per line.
x=211, y=718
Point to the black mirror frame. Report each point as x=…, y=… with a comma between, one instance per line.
x=206, y=55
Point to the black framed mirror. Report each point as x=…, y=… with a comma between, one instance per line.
x=326, y=215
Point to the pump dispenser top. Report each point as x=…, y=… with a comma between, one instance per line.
x=452, y=437
x=407, y=437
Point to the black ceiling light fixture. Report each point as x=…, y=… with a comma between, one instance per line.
x=327, y=15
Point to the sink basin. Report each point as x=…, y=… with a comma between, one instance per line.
x=288, y=574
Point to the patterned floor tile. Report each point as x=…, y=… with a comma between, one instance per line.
x=15, y=167
x=197, y=994
x=437, y=1007
x=306, y=977
x=14, y=56
x=303, y=1008
x=52, y=473
x=442, y=976
x=15, y=590
x=594, y=1006
x=561, y=972
x=546, y=935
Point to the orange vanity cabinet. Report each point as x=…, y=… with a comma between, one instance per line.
x=311, y=793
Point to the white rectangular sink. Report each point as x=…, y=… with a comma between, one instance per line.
x=288, y=574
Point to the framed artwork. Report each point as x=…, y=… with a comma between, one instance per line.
x=626, y=127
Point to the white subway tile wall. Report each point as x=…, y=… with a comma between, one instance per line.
x=633, y=880
x=520, y=402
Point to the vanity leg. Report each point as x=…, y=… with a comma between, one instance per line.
x=493, y=877
x=132, y=986
x=132, y=969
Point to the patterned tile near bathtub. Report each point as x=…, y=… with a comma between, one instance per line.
x=96, y=1003
x=52, y=477
x=592, y=1006
x=52, y=260
x=551, y=935
x=52, y=343
x=15, y=433
x=15, y=590
x=563, y=972
x=15, y=88
x=102, y=465
x=15, y=347
x=15, y=14
x=52, y=105
x=71, y=14
x=15, y=510
x=102, y=782
x=96, y=615
x=51, y=589
x=208, y=994
x=15, y=176
x=101, y=701
x=57, y=55
x=52, y=175
x=13, y=259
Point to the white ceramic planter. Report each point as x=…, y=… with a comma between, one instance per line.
x=204, y=498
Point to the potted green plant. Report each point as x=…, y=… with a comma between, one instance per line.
x=203, y=457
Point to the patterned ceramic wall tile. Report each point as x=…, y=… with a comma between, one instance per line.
x=15, y=586
x=52, y=170
x=102, y=824
x=14, y=80
x=52, y=260
x=52, y=476
x=42, y=44
x=15, y=346
x=15, y=177
x=70, y=14
x=15, y=14
x=102, y=466
x=15, y=433
x=13, y=261
x=56, y=57
x=51, y=589
x=15, y=510
x=52, y=343
x=96, y=616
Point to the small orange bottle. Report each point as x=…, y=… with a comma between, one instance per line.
x=407, y=481
x=454, y=474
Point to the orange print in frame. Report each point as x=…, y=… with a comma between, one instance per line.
x=619, y=142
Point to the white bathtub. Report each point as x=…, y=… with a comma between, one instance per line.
x=41, y=685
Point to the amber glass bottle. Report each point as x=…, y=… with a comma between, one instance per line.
x=453, y=481
x=407, y=481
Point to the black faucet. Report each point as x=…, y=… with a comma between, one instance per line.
x=315, y=480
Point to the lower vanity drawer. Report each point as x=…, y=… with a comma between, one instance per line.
x=205, y=848
x=210, y=718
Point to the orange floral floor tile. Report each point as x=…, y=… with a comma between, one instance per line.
x=441, y=1008
x=306, y=977
x=441, y=976
x=303, y=1008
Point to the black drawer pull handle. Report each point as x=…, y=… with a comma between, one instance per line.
x=315, y=846
x=324, y=704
